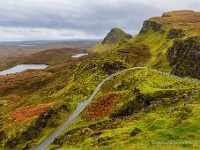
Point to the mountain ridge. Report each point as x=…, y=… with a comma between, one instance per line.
x=135, y=108
x=115, y=36
x=112, y=39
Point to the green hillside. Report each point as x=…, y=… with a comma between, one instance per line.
x=136, y=109
x=113, y=38
x=133, y=111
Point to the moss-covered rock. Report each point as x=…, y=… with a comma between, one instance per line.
x=113, y=67
x=2, y=136
x=150, y=24
x=135, y=131
x=184, y=57
x=175, y=33
x=115, y=36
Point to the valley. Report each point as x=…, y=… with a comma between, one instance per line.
x=11, y=53
x=125, y=92
x=81, y=106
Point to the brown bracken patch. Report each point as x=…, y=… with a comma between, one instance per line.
x=28, y=112
x=135, y=54
x=101, y=107
x=184, y=19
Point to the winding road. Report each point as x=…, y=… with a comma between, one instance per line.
x=81, y=106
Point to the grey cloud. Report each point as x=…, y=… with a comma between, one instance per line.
x=90, y=17
x=95, y=17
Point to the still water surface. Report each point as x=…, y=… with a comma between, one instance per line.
x=79, y=55
x=23, y=67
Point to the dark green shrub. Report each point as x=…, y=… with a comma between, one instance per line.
x=135, y=132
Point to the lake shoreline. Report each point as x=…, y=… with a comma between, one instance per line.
x=23, y=67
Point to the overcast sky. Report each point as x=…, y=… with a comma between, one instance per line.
x=85, y=19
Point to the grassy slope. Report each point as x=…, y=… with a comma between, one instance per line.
x=56, y=84
x=113, y=38
x=102, y=47
x=156, y=122
x=9, y=54
x=69, y=81
x=164, y=122
x=158, y=42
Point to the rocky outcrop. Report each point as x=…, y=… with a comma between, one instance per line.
x=2, y=136
x=115, y=36
x=33, y=131
x=111, y=68
x=46, y=119
x=135, y=132
x=184, y=57
x=148, y=102
x=150, y=24
x=175, y=33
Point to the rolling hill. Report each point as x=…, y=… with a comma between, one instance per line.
x=148, y=108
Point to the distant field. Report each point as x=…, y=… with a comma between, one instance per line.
x=10, y=54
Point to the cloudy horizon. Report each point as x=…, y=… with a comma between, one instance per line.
x=24, y=20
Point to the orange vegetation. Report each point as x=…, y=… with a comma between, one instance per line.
x=183, y=18
x=28, y=112
x=101, y=107
x=7, y=80
x=134, y=54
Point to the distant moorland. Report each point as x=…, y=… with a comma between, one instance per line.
x=153, y=107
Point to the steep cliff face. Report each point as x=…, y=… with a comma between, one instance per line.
x=115, y=36
x=174, y=42
x=183, y=19
x=142, y=94
x=184, y=57
x=130, y=101
x=175, y=33
x=150, y=24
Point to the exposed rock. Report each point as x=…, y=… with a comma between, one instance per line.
x=96, y=135
x=64, y=108
x=184, y=57
x=123, y=85
x=45, y=119
x=150, y=24
x=29, y=147
x=34, y=130
x=115, y=36
x=90, y=65
x=135, y=131
x=145, y=103
x=11, y=144
x=2, y=136
x=166, y=15
x=113, y=67
x=175, y=33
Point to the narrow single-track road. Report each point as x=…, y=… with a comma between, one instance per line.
x=81, y=106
